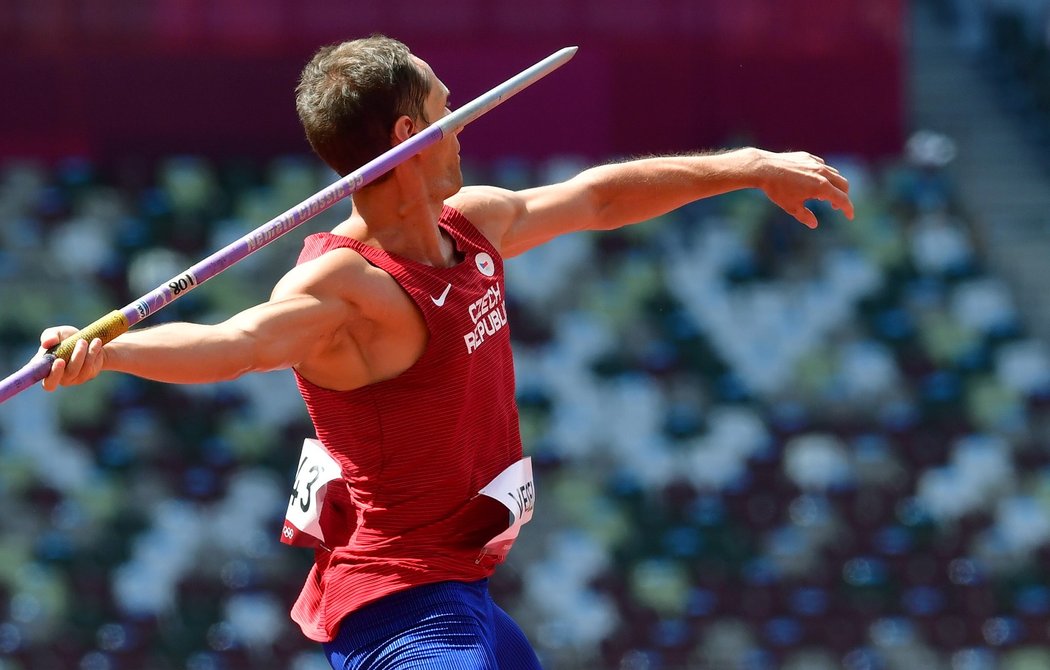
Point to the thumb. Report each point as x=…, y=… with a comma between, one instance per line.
x=55, y=335
x=805, y=216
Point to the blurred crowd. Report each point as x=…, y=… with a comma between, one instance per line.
x=1009, y=40
x=757, y=446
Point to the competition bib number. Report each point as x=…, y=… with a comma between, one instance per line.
x=302, y=520
x=515, y=490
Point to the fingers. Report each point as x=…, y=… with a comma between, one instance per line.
x=836, y=179
x=76, y=361
x=84, y=363
x=805, y=216
x=836, y=189
x=54, y=378
x=839, y=199
x=809, y=177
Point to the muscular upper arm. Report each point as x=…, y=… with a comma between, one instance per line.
x=349, y=323
x=311, y=311
x=319, y=319
x=516, y=221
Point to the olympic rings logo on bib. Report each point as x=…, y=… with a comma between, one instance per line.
x=302, y=520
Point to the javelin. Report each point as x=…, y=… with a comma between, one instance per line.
x=118, y=322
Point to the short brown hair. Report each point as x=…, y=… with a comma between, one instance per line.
x=350, y=94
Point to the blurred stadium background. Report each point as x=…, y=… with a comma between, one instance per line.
x=758, y=446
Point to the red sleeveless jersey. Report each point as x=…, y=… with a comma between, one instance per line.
x=415, y=450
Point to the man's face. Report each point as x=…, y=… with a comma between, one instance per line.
x=443, y=156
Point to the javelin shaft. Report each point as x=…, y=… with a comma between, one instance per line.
x=117, y=322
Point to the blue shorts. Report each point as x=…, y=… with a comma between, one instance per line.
x=444, y=626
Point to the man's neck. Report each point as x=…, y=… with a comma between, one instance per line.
x=384, y=217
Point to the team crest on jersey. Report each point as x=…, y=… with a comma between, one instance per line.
x=485, y=264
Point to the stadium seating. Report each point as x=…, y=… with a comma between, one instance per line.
x=758, y=446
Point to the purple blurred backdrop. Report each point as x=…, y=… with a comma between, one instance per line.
x=117, y=78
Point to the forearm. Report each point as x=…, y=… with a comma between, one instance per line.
x=180, y=353
x=627, y=193
x=616, y=195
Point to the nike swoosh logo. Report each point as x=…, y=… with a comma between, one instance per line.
x=441, y=301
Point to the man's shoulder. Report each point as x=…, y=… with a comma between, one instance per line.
x=480, y=198
x=338, y=271
x=491, y=209
x=338, y=260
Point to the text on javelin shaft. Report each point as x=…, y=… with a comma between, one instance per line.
x=301, y=213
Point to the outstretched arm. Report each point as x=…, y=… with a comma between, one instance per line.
x=615, y=195
x=304, y=317
x=271, y=336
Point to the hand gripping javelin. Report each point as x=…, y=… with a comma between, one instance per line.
x=119, y=321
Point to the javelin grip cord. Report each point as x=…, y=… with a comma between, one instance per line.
x=118, y=322
x=107, y=329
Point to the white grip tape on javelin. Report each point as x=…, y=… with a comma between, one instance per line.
x=302, y=520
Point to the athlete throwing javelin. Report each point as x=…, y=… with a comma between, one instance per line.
x=395, y=327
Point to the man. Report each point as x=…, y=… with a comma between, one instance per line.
x=395, y=327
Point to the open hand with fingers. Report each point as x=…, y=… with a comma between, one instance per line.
x=84, y=365
x=790, y=179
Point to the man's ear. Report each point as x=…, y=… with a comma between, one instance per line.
x=403, y=129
